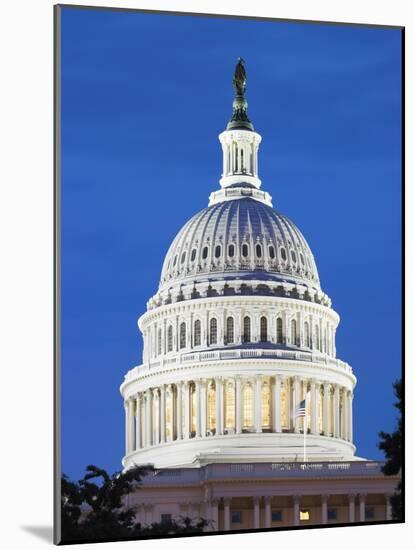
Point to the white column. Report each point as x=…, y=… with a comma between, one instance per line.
x=197, y=412
x=238, y=427
x=256, y=512
x=362, y=506
x=258, y=388
x=336, y=406
x=296, y=509
x=162, y=414
x=226, y=514
x=267, y=512
x=137, y=422
x=352, y=508
x=203, y=407
x=297, y=399
x=143, y=421
x=156, y=421
x=219, y=405
x=287, y=382
x=170, y=394
x=326, y=408
x=179, y=410
x=350, y=416
x=186, y=389
x=127, y=427
x=148, y=418
x=343, y=408
x=215, y=514
x=276, y=404
x=313, y=407
x=131, y=425
x=324, y=499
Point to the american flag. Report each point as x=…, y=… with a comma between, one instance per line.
x=300, y=410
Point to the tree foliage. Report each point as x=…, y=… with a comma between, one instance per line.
x=391, y=445
x=95, y=508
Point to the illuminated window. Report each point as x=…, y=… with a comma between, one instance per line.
x=231, y=251
x=205, y=253
x=248, y=406
x=197, y=333
x=247, y=329
x=245, y=250
x=170, y=338
x=213, y=332
x=307, y=334
x=258, y=250
x=294, y=332
x=229, y=405
x=304, y=515
x=211, y=408
x=182, y=335
x=159, y=342
x=271, y=252
x=229, y=330
x=217, y=251
x=266, y=405
x=263, y=329
x=279, y=330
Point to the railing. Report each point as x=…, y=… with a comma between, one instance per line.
x=221, y=355
x=213, y=472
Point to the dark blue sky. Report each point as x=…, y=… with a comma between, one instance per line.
x=144, y=98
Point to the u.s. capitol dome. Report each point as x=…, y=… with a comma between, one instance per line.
x=239, y=339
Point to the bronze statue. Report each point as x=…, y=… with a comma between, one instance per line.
x=239, y=79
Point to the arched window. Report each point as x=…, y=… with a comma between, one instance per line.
x=279, y=330
x=197, y=333
x=247, y=329
x=217, y=251
x=193, y=255
x=175, y=260
x=229, y=330
x=205, y=252
x=307, y=334
x=229, y=405
x=271, y=252
x=159, y=342
x=263, y=329
x=266, y=405
x=283, y=254
x=317, y=337
x=231, y=250
x=182, y=340
x=248, y=406
x=302, y=258
x=245, y=250
x=258, y=250
x=293, y=256
x=213, y=332
x=211, y=408
x=293, y=332
x=183, y=257
x=170, y=338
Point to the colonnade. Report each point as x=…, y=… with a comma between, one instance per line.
x=209, y=407
x=201, y=330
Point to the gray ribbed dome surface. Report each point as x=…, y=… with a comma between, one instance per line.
x=243, y=239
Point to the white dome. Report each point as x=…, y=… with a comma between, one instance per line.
x=244, y=239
